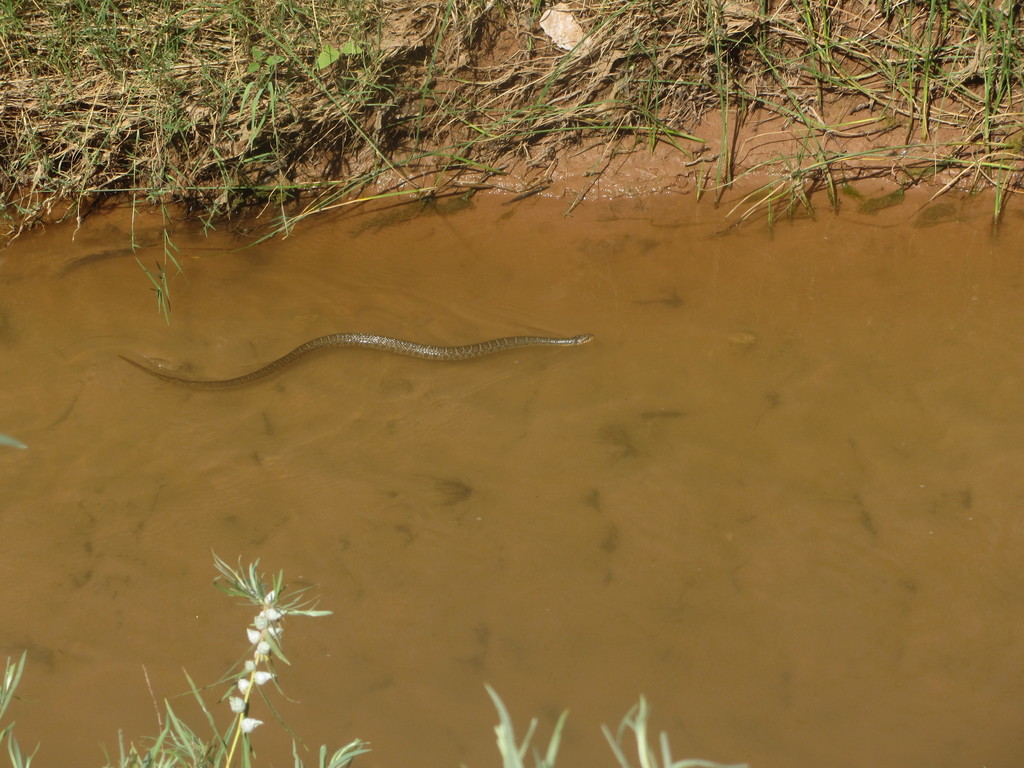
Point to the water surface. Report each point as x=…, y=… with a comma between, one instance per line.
x=780, y=494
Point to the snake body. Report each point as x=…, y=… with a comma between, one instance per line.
x=386, y=343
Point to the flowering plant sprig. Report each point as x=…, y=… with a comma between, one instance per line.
x=264, y=636
x=177, y=743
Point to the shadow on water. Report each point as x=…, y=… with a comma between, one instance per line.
x=779, y=493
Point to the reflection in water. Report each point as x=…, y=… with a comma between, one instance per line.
x=778, y=494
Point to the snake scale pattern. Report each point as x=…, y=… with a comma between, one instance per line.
x=386, y=343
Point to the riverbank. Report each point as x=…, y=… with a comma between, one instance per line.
x=218, y=109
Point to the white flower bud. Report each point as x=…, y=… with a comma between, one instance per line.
x=250, y=665
x=253, y=635
x=272, y=614
x=237, y=705
x=268, y=599
x=263, y=648
x=263, y=677
x=260, y=622
x=249, y=724
x=243, y=684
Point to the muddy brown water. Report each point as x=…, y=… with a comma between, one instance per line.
x=781, y=494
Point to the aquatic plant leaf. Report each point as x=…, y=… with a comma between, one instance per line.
x=12, y=442
x=636, y=721
x=9, y=682
x=343, y=756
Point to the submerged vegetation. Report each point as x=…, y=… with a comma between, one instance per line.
x=301, y=106
x=179, y=745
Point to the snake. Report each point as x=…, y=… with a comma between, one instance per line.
x=385, y=343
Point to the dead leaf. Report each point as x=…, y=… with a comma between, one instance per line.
x=560, y=24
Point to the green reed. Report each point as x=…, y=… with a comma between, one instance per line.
x=631, y=736
x=8, y=685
